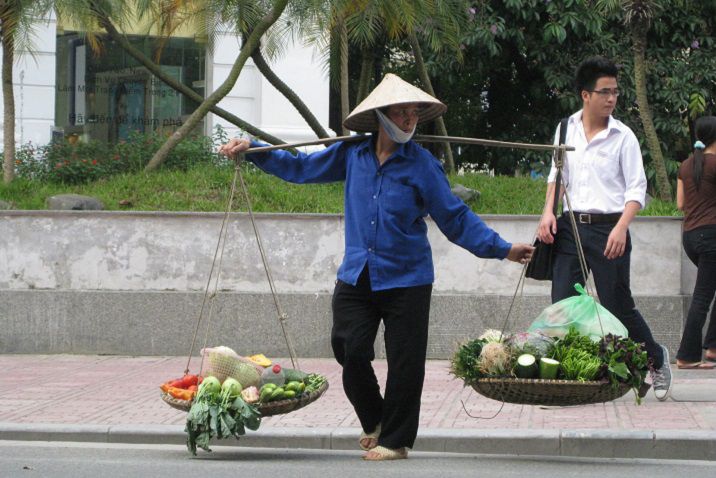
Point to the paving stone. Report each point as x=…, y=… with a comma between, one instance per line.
x=116, y=398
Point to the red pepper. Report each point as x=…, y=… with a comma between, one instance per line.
x=180, y=393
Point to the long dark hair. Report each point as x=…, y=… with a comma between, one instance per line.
x=706, y=133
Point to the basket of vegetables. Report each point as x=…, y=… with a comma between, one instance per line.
x=531, y=368
x=270, y=388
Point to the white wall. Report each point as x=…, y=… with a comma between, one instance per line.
x=256, y=101
x=34, y=84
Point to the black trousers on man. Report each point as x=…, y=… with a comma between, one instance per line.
x=357, y=312
x=611, y=277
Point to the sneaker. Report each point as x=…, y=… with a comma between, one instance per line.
x=661, y=379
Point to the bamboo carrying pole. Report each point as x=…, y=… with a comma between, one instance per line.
x=420, y=139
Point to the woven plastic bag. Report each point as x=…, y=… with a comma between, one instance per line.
x=222, y=362
x=581, y=312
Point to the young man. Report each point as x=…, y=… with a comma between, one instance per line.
x=606, y=184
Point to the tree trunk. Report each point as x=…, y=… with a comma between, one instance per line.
x=156, y=70
x=288, y=93
x=344, y=83
x=366, y=73
x=425, y=79
x=8, y=58
x=247, y=48
x=652, y=139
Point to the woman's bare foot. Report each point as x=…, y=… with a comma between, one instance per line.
x=381, y=453
x=368, y=441
x=695, y=365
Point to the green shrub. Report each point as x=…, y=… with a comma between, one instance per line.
x=84, y=162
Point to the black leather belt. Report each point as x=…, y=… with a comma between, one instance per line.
x=593, y=218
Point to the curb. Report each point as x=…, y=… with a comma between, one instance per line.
x=645, y=444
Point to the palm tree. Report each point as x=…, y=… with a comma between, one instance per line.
x=638, y=15
x=16, y=22
x=370, y=23
x=255, y=32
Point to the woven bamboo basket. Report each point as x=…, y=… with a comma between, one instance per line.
x=527, y=391
x=278, y=407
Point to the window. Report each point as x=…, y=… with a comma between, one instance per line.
x=108, y=96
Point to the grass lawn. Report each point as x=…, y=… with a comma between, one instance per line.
x=207, y=187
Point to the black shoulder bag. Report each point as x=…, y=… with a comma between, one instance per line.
x=540, y=266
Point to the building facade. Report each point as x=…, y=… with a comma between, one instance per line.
x=64, y=89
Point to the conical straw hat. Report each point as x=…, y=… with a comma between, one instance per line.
x=392, y=91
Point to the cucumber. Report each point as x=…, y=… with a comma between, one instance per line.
x=526, y=366
x=548, y=368
x=276, y=394
x=293, y=375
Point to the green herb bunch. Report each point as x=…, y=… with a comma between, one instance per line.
x=626, y=362
x=578, y=364
x=465, y=363
x=574, y=340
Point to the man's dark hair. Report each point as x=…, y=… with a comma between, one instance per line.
x=590, y=70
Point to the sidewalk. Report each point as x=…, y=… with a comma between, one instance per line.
x=116, y=399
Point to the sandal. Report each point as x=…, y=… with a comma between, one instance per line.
x=696, y=365
x=381, y=453
x=373, y=437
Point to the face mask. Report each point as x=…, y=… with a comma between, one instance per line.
x=394, y=132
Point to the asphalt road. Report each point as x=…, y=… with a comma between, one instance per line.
x=63, y=459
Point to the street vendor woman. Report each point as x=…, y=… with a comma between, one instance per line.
x=391, y=185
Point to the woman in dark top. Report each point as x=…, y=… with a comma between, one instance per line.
x=696, y=196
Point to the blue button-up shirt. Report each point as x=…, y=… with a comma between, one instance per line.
x=385, y=209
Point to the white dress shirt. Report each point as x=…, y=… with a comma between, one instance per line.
x=604, y=174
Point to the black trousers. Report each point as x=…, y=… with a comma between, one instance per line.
x=700, y=247
x=357, y=312
x=611, y=277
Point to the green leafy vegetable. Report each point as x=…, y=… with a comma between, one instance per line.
x=219, y=415
x=465, y=362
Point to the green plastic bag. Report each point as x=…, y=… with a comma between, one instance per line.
x=581, y=312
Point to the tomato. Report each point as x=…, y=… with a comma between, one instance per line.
x=177, y=384
x=188, y=380
x=192, y=388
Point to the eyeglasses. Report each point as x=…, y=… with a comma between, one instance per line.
x=606, y=92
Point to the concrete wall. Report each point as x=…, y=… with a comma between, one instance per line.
x=134, y=283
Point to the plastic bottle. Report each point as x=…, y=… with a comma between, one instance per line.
x=273, y=374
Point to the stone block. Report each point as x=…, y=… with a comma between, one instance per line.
x=74, y=202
